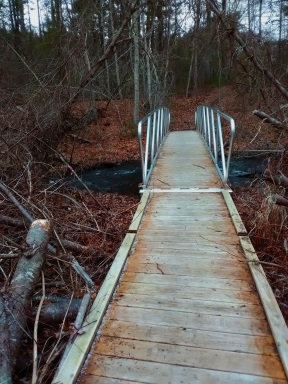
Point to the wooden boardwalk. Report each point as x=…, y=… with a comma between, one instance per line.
x=186, y=309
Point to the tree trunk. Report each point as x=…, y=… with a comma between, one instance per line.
x=24, y=280
x=248, y=52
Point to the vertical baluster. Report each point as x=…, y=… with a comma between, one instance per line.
x=147, y=164
x=213, y=136
x=222, y=148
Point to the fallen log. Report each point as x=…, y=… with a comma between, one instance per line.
x=279, y=200
x=24, y=280
x=278, y=179
x=56, y=309
x=77, y=267
x=269, y=119
x=7, y=220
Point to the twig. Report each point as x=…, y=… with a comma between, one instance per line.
x=5, y=189
x=52, y=249
x=78, y=323
x=35, y=353
x=9, y=255
x=13, y=243
x=53, y=353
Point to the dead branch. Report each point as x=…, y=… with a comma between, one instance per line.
x=269, y=119
x=24, y=280
x=35, y=333
x=248, y=52
x=53, y=313
x=7, y=220
x=279, y=200
x=5, y=362
x=77, y=267
x=108, y=52
x=279, y=179
x=10, y=195
x=78, y=322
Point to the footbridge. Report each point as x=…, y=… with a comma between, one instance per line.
x=186, y=299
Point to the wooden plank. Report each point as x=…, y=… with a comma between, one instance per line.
x=262, y=365
x=272, y=310
x=195, y=263
x=203, y=322
x=232, y=249
x=237, y=221
x=188, y=270
x=139, y=212
x=106, y=380
x=193, y=293
x=194, y=257
x=158, y=373
x=70, y=367
x=189, y=231
x=170, y=303
x=190, y=337
x=190, y=281
x=183, y=254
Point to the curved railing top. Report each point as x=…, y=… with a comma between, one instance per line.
x=210, y=122
x=156, y=125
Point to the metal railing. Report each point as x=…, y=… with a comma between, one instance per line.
x=210, y=123
x=156, y=125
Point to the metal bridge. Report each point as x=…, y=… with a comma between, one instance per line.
x=186, y=299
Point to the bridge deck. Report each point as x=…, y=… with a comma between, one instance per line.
x=184, y=163
x=186, y=309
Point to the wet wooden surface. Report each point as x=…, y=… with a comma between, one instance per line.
x=186, y=309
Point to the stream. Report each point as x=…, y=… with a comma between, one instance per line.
x=124, y=178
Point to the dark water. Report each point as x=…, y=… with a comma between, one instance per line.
x=244, y=169
x=124, y=178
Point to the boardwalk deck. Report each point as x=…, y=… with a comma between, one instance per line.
x=186, y=309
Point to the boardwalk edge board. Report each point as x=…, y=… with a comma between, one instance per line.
x=69, y=369
x=270, y=305
x=236, y=219
x=139, y=212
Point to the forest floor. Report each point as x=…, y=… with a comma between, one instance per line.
x=99, y=221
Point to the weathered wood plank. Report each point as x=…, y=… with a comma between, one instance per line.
x=190, y=320
x=193, y=293
x=262, y=365
x=238, y=284
x=156, y=373
x=188, y=270
x=170, y=303
x=190, y=337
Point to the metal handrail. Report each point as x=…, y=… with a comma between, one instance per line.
x=209, y=122
x=156, y=125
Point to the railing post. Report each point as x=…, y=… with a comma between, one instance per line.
x=157, y=126
x=205, y=120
